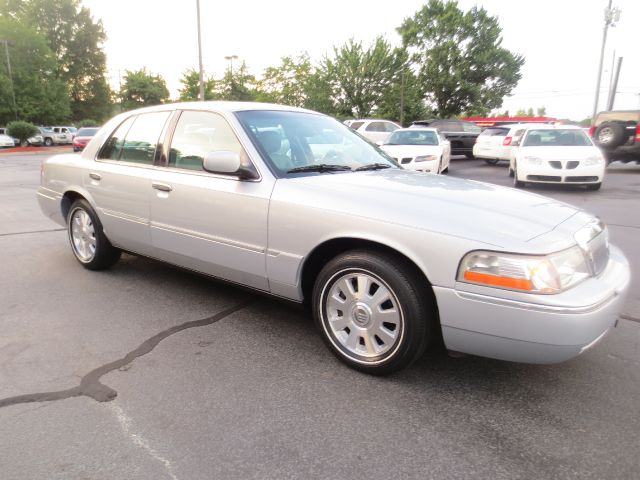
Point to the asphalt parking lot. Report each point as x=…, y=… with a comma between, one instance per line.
x=150, y=372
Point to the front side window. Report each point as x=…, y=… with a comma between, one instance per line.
x=196, y=135
x=296, y=140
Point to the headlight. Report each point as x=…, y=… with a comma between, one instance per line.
x=533, y=160
x=545, y=274
x=426, y=158
x=594, y=160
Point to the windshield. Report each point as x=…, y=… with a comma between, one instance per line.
x=295, y=142
x=413, y=137
x=556, y=138
x=87, y=132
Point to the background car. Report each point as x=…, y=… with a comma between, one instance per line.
x=83, y=137
x=496, y=143
x=421, y=149
x=6, y=141
x=556, y=154
x=375, y=130
x=49, y=137
x=460, y=133
x=617, y=133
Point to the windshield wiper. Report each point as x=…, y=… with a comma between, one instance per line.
x=373, y=166
x=321, y=167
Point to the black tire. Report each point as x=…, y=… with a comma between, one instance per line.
x=491, y=161
x=594, y=186
x=446, y=170
x=469, y=156
x=410, y=302
x=610, y=135
x=48, y=142
x=105, y=254
x=516, y=183
x=510, y=172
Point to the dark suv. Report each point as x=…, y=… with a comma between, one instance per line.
x=617, y=133
x=460, y=133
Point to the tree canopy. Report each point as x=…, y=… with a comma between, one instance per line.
x=461, y=64
x=142, y=89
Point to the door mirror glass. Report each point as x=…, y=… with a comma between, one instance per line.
x=222, y=161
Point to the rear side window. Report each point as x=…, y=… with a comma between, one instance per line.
x=136, y=139
x=356, y=125
x=199, y=133
x=390, y=127
x=376, y=127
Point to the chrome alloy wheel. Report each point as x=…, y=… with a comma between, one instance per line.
x=83, y=235
x=362, y=316
x=605, y=135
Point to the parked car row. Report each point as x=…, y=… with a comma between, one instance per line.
x=47, y=136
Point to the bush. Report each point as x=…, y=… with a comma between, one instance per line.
x=87, y=123
x=22, y=130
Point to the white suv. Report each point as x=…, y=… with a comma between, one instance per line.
x=373, y=129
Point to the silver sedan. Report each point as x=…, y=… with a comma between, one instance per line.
x=293, y=203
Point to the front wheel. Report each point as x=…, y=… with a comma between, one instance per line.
x=594, y=186
x=48, y=142
x=469, y=156
x=516, y=183
x=375, y=313
x=491, y=161
x=88, y=242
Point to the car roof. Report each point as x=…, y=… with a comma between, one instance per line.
x=417, y=129
x=546, y=126
x=220, y=105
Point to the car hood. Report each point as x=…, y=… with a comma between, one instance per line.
x=561, y=153
x=498, y=216
x=401, y=151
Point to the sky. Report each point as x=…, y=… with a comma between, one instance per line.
x=560, y=40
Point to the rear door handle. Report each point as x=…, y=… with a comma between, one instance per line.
x=95, y=176
x=163, y=187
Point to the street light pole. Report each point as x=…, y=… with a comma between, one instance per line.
x=13, y=93
x=611, y=15
x=231, y=58
x=201, y=74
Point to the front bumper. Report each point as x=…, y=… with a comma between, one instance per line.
x=580, y=175
x=547, y=329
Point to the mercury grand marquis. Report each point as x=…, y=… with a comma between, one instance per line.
x=293, y=203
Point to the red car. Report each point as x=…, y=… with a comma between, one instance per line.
x=83, y=137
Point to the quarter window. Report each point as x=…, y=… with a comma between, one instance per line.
x=199, y=133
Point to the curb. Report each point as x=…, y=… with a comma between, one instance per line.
x=17, y=151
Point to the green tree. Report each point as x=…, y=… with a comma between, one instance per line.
x=190, y=90
x=541, y=112
x=22, y=130
x=361, y=77
x=288, y=83
x=237, y=84
x=40, y=96
x=142, y=89
x=521, y=112
x=77, y=44
x=461, y=64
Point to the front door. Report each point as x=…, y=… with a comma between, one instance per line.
x=214, y=224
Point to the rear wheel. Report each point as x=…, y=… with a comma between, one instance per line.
x=88, y=242
x=48, y=142
x=375, y=313
x=469, y=156
x=609, y=135
x=491, y=161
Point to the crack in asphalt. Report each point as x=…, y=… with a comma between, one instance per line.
x=90, y=385
x=629, y=317
x=32, y=231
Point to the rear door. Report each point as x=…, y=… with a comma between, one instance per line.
x=119, y=181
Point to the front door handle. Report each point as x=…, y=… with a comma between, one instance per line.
x=163, y=187
x=95, y=176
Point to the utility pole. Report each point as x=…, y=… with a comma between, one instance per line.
x=402, y=98
x=13, y=93
x=614, y=85
x=611, y=16
x=201, y=74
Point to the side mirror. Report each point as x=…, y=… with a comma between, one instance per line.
x=227, y=163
